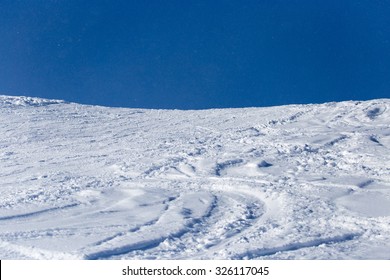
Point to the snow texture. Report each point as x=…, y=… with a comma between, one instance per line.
x=289, y=182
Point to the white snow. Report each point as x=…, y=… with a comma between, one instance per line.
x=289, y=182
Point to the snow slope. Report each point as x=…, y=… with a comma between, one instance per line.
x=291, y=182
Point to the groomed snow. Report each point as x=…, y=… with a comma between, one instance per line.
x=290, y=182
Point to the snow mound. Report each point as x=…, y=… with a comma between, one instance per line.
x=24, y=101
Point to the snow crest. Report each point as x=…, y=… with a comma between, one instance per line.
x=24, y=101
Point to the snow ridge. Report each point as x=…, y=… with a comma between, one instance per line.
x=24, y=101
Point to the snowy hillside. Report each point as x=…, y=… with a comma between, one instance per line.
x=291, y=182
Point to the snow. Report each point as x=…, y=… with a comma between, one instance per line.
x=288, y=182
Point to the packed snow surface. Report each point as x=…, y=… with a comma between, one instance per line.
x=290, y=182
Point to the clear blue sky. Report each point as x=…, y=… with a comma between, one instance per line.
x=195, y=54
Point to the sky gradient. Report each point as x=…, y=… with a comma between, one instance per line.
x=195, y=54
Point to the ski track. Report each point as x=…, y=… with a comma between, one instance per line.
x=253, y=254
x=86, y=182
x=36, y=213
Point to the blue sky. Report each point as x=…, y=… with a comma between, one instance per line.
x=195, y=54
